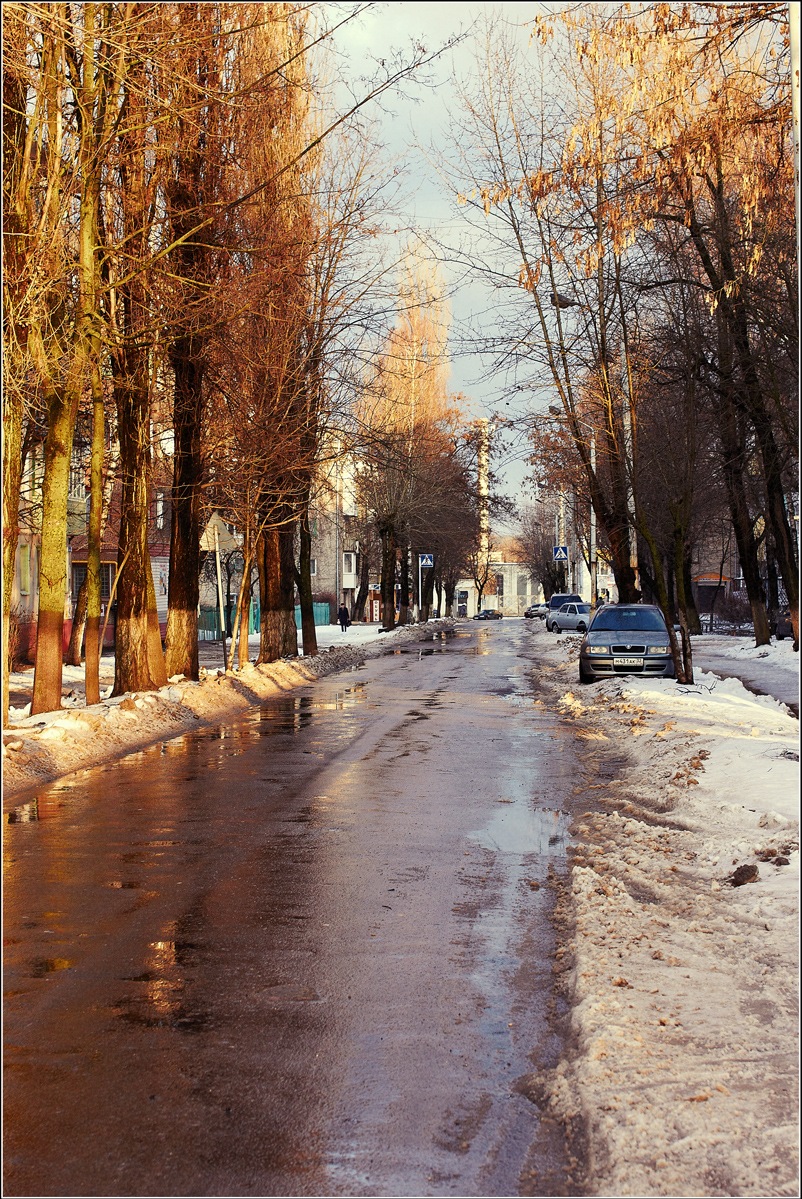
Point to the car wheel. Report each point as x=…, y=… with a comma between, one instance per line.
x=581, y=627
x=556, y=628
x=584, y=677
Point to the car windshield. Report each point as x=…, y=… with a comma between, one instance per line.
x=583, y=607
x=640, y=620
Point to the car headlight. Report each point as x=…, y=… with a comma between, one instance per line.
x=658, y=649
x=598, y=649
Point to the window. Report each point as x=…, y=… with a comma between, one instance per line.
x=348, y=564
x=106, y=576
x=313, y=566
x=159, y=509
x=77, y=481
x=34, y=472
x=25, y=569
x=500, y=585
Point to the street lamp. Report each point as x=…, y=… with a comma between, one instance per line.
x=555, y=412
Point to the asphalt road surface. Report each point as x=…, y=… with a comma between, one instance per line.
x=305, y=953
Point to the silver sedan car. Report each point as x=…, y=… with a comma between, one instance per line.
x=626, y=639
x=571, y=618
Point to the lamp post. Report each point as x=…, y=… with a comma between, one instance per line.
x=555, y=412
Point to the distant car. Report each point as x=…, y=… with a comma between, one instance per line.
x=572, y=618
x=556, y=602
x=626, y=639
x=538, y=610
x=488, y=614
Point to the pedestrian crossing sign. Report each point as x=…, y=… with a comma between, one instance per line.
x=426, y=560
x=561, y=553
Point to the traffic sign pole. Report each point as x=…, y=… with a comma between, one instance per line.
x=426, y=560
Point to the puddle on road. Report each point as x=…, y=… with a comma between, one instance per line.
x=41, y=967
x=515, y=829
x=26, y=813
x=420, y=651
x=287, y=715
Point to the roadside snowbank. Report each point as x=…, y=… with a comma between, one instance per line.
x=683, y=985
x=39, y=749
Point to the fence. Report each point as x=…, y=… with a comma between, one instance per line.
x=209, y=620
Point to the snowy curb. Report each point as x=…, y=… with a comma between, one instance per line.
x=681, y=981
x=39, y=749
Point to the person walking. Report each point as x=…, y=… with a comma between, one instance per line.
x=343, y=617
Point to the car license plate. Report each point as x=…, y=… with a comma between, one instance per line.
x=627, y=661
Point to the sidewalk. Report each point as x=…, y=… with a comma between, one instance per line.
x=766, y=669
x=328, y=636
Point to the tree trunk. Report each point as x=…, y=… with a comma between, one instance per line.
x=691, y=611
x=404, y=597
x=289, y=638
x=74, y=656
x=732, y=313
x=388, y=548
x=94, y=534
x=243, y=656
x=17, y=210
x=624, y=575
x=734, y=458
x=12, y=481
x=139, y=659
x=308, y=630
x=279, y=637
x=53, y=556
x=183, y=595
x=683, y=667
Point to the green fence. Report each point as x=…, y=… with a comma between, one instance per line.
x=209, y=620
x=322, y=613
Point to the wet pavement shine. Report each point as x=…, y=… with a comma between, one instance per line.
x=308, y=952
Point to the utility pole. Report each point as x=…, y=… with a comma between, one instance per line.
x=337, y=531
x=483, y=470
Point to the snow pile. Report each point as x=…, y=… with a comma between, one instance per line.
x=681, y=937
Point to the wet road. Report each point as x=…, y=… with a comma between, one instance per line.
x=306, y=953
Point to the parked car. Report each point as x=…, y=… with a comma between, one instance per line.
x=538, y=610
x=488, y=614
x=556, y=602
x=572, y=618
x=626, y=639
x=783, y=627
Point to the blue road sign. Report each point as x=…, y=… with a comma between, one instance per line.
x=426, y=559
x=561, y=553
